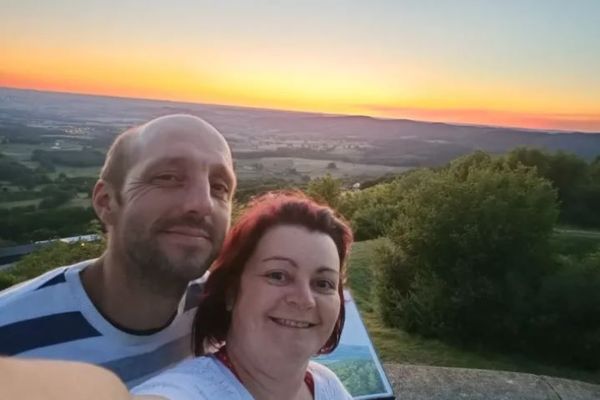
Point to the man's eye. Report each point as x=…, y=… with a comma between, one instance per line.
x=166, y=178
x=220, y=189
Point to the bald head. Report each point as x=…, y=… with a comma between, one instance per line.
x=129, y=148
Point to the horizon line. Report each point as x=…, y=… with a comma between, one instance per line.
x=326, y=114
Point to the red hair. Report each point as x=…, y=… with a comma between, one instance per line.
x=212, y=319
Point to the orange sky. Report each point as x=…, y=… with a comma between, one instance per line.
x=465, y=64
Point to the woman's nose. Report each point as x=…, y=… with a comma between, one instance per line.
x=301, y=295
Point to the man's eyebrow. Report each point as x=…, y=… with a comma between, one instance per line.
x=294, y=264
x=165, y=161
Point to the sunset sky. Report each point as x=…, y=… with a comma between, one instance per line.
x=530, y=63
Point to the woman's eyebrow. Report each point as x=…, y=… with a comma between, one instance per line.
x=294, y=264
x=328, y=269
x=281, y=258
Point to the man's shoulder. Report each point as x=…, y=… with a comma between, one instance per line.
x=47, y=279
x=36, y=291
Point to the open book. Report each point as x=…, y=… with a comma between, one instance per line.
x=355, y=361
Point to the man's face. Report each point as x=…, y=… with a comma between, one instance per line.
x=176, y=203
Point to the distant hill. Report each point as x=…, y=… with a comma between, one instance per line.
x=389, y=141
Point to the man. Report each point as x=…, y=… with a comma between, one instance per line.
x=164, y=196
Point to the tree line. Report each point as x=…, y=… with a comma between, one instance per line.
x=472, y=255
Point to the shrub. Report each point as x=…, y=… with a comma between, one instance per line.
x=48, y=257
x=566, y=315
x=470, y=248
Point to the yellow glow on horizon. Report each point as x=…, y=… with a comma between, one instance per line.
x=285, y=82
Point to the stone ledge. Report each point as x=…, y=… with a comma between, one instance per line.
x=415, y=382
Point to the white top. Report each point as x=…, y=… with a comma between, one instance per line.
x=206, y=378
x=52, y=317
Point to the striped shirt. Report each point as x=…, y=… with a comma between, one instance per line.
x=52, y=317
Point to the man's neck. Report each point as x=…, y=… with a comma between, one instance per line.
x=124, y=301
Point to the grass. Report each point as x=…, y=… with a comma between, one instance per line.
x=81, y=200
x=20, y=203
x=75, y=171
x=396, y=345
x=277, y=167
x=575, y=241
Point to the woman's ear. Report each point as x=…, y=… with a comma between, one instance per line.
x=229, y=300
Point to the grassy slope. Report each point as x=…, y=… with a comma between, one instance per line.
x=395, y=345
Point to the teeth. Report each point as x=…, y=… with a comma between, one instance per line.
x=292, y=324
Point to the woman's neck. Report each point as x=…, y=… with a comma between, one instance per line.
x=269, y=379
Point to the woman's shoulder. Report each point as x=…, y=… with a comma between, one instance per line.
x=197, y=378
x=327, y=383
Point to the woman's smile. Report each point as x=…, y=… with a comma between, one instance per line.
x=290, y=323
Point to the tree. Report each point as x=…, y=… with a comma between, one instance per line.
x=371, y=211
x=573, y=178
x=326, y=189
x=468, y=249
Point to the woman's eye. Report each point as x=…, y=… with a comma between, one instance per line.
x=325, y=284
x=276, y=276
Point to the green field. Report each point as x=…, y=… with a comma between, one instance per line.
x=73, y=172
x=395, y=345
x=21, y=203
x=81, y=200
x=278, y=167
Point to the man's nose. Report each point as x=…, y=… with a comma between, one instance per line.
x=301, y=295
x=198, y=198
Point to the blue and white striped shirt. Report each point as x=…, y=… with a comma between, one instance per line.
x=52, y=317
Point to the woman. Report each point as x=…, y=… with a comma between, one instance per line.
x=273, y=300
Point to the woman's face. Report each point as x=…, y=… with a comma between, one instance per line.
x=288, y=301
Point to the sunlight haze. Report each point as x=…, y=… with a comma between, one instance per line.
x=516, y=63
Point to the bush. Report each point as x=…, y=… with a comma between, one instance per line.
x=469, y=249
x=49, y=257
x=7, y=280
x=326, y=189
x=566, y=315
x=373, y=210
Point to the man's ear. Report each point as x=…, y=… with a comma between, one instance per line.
x=105, y=202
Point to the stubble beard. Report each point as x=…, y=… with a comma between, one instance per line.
x=160, y=273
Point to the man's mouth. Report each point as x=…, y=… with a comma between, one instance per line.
x=188, y=231
x=290, y=323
